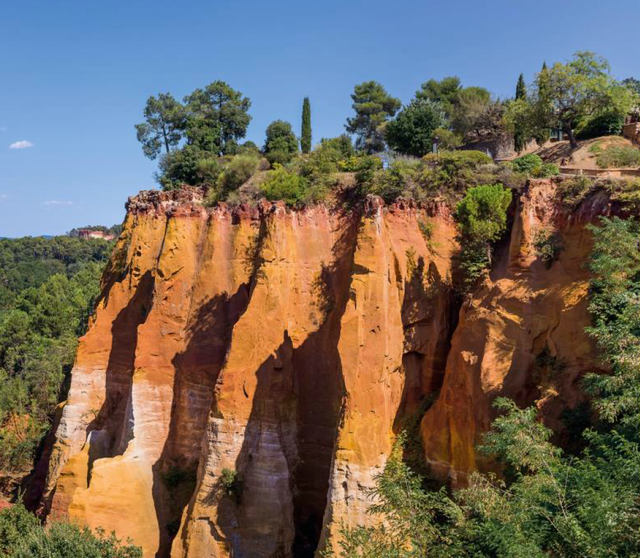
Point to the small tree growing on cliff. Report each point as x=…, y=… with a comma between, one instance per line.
x=482, y=218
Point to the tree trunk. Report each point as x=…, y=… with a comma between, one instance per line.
x=572, y=140
x=166, y=139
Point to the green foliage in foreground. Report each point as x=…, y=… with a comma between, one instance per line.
x=551, y=505
x=39, y=328
x=22, y=536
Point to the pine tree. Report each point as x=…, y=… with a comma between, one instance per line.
x=305, y=136
x=519, y=138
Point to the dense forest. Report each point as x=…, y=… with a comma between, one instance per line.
x=47, y=291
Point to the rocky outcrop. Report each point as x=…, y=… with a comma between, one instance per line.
x=281, y=346
x=247, y=369
x=520, y=335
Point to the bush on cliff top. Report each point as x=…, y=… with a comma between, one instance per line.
x=281, y=184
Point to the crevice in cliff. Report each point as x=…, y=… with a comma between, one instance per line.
x=196, y=372
x=112, y=428
x=430, y=309
x=320, y=391
x=288, y=442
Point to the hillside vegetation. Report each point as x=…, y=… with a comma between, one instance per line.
x=47, y=292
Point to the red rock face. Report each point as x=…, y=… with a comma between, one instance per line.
x=247, y=370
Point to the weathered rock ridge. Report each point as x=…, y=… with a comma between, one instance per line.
x=247, y=369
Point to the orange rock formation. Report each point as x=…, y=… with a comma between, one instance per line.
x=285, y=347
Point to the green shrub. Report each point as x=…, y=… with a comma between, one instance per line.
x=482, y=214
x=426, y=228
x=548, y=170
x=447, y=140
x=616, y=156
x=366, y=169
x=180, y=167
x=412, y=130
x=281, y=184
x=231, y=484
x=342, y=144
x=22, y=536
x=208, y=171
x=279, y=157
x=452, y=171
x=66, y=540
x=547, y=244
x=240, y=169
x=320, y=166
x=281, y=143
x=527, y=164
x=627, y=193
x=608, y=123
x=482, y=218
x=573, y=190
x=16, y=524
x=249, y=148
x=393, y=182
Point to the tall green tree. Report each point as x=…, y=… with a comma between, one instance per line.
x=577, y=90
x=412, y=130
x=373, y=108
x=163, y=126
x=445, y=92
x=519, y=136
x=476, y=115
x=280, y=143
x=541, y=111
x=217, y=118
x=305, y=135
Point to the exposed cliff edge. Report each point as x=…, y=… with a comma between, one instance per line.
x=285, y=347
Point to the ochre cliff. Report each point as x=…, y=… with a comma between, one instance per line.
x=280, y=350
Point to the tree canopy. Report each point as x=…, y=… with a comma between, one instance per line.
x=280, y=142
x=412, y=131
x=163, y=126
x=570, y=94
x=217, y=118
x=373, y=108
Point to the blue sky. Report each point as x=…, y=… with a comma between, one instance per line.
x=74, y=75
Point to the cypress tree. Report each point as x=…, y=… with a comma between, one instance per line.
x=519, y=138
x=305, y=136
x=543, y=106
